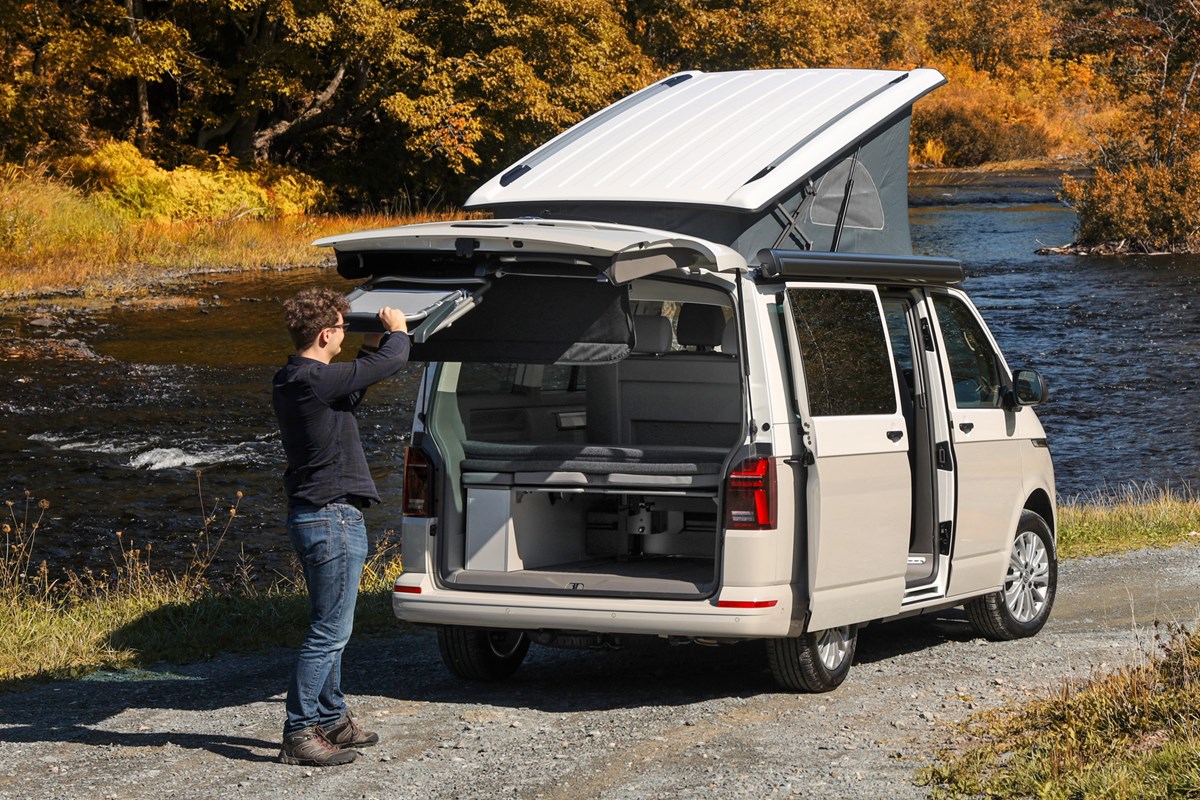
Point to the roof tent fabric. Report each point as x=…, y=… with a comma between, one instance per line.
x=591, y=323
x=847, y=195
x=876, y=212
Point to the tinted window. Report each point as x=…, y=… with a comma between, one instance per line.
x=843, y=351
x=487, y=378
x=974, y=366
x=560, y=378
x=475, y=378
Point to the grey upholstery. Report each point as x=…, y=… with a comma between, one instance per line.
x=690, y=399
x=652, y=334
x=729, y=340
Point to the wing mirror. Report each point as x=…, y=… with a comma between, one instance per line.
x=1029, y=388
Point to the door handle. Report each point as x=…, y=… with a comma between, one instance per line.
x=966, y=427
x=895, y=436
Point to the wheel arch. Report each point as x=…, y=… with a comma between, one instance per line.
x=1039, y=502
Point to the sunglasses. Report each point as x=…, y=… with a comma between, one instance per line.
x=342, y=325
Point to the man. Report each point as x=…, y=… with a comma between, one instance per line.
x=327, y=485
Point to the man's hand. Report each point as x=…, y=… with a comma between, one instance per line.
x=393, y=320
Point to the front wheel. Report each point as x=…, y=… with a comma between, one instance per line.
x=1022, y=606
x=482, y=654
x=818, y=661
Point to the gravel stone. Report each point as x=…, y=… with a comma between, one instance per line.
x=649, y=722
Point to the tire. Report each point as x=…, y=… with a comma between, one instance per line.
x=482, y=654
x=818, y=661
x=1023, y=605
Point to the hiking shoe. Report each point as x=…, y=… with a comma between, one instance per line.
x=346, y=734
x=310, y=748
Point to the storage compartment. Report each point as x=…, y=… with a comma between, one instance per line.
x=509, y=530
x=580, y=541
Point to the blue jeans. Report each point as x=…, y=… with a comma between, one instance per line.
x=332, y=544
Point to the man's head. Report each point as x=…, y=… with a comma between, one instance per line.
x=314, y=313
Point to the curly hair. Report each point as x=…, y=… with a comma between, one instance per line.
x=312, y=311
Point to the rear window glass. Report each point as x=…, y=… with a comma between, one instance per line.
x=486, y=378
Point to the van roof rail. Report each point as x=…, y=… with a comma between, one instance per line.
x=876, y=268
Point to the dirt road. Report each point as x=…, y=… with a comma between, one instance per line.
x=650, y=721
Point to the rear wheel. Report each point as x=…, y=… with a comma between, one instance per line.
x=818, y=661
x=482, y=654
x=1023, y=605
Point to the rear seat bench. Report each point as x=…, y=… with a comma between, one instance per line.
x=658, y=397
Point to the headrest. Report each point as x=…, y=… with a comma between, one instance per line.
x=700, y=325
x=651, y=334
x=729, y=341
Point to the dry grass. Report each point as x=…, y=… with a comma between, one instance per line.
x=1134, y=733
x=133, y=615
x=58, y=239
x=1128, y=517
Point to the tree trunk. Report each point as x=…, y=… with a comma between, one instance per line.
x=134, y=11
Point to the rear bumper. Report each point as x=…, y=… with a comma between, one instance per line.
x=421, y=601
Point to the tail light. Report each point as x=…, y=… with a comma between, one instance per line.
x=417, y=497
x=750, y=495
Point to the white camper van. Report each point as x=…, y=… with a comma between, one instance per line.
x=692, y=383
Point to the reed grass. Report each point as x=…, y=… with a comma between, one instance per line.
x=1128, y=517
x=1132, y=733
x=57, y=239
x=134, y=615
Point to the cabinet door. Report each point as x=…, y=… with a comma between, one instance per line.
x=986, y=452
x=858, y=490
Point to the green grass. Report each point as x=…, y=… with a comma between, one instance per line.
x=1132, y=733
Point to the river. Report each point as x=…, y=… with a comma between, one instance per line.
x=114, y=443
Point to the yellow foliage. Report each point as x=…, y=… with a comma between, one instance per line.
x=125, y=180
x=977, y=119
x=1141, y=206
x=930, y=154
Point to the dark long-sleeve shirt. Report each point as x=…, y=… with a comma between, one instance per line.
x=315, y=404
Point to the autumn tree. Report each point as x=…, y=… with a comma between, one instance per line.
x=1145, y=190
x=754, y=34
x=990, y=34
x=72, y=71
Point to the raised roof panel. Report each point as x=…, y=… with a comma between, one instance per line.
x=735, y=140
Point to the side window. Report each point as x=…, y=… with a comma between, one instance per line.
x=843, y=352
x=486, y=378
x=560, y=378
x=974, y=366
x=480, y=378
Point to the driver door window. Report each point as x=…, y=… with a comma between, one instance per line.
x=974, y=365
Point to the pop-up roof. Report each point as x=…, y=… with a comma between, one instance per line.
x=806, y=159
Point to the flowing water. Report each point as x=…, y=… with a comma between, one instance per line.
x=114, y=443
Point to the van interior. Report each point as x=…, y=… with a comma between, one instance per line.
x=596, y=478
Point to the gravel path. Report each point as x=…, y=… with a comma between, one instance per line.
x=649, y=721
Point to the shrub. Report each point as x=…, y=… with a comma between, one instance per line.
x=217, y=189
x=975, y=129
x=1138, y=207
